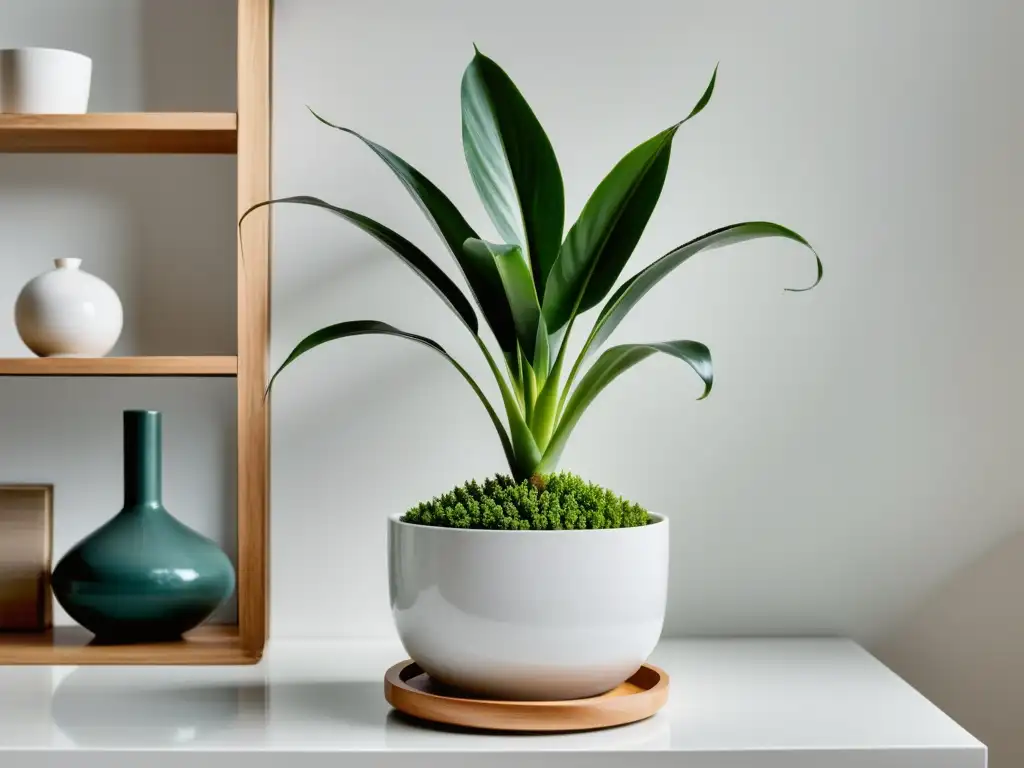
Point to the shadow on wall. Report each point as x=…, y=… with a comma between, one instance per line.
x=194, y=83
x=188, y=222
x=963, y=648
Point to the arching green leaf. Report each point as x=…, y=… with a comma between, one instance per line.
x=604, y=236
x=513, y=165
x=608, y=367
x=420, y=263
x=519, y=288
x=450, y=224
x=364, y=327
x=634, y=289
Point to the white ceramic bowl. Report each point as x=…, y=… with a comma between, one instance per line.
x=535, y=615
x=44, y=81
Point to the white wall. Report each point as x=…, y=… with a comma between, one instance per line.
x=856, y=469
x=160, y=231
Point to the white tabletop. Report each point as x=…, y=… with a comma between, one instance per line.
x=744, y=703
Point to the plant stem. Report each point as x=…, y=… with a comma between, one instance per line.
x=515, y=378
x=529, y=393
x=526, y=455
x=545, y=415
x=572, y=373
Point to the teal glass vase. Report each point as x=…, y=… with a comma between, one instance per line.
x=143, y=576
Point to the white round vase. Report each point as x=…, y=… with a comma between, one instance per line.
x=44, y=81
x=68, y=313
x=529, y=615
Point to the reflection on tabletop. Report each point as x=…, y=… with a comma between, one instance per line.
x=239, y=707
x=143, y=707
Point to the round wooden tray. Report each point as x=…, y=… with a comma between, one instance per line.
x=410, y=690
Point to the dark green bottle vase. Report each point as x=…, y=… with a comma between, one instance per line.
x=143, y=576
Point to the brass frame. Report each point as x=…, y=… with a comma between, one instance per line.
x=20, y=553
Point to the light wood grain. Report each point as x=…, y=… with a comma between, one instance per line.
x=409, y=690
x=119, y=366
x=254, y=19
x=72, y=645
x=129, y=132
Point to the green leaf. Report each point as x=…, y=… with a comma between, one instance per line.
x=529, y=392
x=542, y=351
x=519, y=289
x=630, y=292
x=420, y=263
x=528, y=454
x=513, y=165
x=608, y=367
x=524, y=447
x=603, y=238
x=545, y=410
x=450, y=224
x=364, y=327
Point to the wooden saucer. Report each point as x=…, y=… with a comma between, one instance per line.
x=408, y=689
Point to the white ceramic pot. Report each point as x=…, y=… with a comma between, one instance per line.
x=68, y=313
x=44, y=81
x=535, y=615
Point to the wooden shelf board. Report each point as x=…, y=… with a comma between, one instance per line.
x=73, y=645
x=119, y=366
x=122, y=132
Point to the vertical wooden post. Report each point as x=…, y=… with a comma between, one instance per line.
x=254, y=20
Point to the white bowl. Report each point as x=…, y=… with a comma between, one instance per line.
x=529, y=615
x=44, y=81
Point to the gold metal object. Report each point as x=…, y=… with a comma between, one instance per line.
x=26, y=550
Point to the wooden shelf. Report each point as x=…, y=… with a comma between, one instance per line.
x=73, y=645
x=128, y=132
x=119, y=366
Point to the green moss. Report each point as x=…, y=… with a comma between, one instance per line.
x=554, y=502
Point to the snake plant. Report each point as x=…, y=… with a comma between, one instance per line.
x=534, y=285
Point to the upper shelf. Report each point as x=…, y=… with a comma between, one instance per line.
x=119, y=366
x=122, y=132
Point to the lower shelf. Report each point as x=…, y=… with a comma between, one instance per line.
x=73, y=645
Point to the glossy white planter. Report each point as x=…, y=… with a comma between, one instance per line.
x=537, y=615
x=44, y=81
x=68, y=313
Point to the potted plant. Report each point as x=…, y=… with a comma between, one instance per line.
x=533, y=584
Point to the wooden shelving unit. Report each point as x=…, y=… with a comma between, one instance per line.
x=248, y=135
x=119, y=366
x=131, y=133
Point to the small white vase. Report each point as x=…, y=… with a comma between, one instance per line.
x=44, y=81
x=68, y=313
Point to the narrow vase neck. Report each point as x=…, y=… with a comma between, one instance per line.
x=142, y=458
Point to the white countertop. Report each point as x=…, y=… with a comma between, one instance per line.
x=744, y=703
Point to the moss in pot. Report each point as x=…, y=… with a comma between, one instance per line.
x=556, y=502
x=536, y=584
